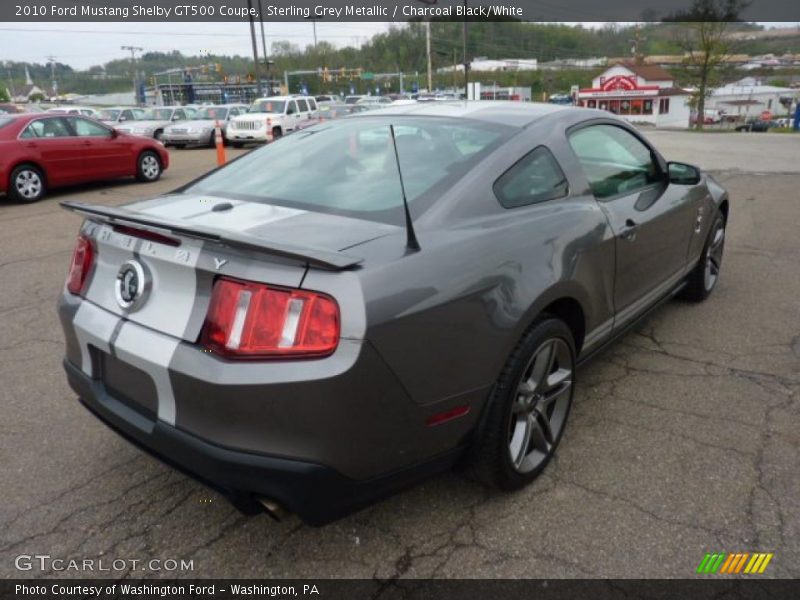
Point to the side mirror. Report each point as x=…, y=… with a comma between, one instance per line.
x=114, y=134
x=683, y=174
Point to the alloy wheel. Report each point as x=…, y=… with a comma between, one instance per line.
x=150, y=166
x=28, y=184
x=714, y=256
x=541, y=404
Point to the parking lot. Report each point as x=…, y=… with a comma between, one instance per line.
x=684, y=437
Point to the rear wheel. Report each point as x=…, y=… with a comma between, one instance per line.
x=528, y=407
x=276, y=133
x=26, y=184
x=703, y=278
x=148, y=167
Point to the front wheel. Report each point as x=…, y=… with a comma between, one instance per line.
x=703, y=278
x=26, y=184
x=528, y=407
x=148, y=167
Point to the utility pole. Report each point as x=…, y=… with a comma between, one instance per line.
x=428, y=50
x=10, y=81
x=464, y=44
x=134, y=50
x=264, y=47
x=52, y=61
x=637, y=44
x=255, y=48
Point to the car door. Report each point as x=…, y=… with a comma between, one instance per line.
x=60, y=153
x=651, y=219
x=303, y=110
x=291, y=115
x=106, y=155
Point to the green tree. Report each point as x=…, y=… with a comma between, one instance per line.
x=4, y=95
x=706, y=41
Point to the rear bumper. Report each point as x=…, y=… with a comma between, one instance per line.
x=318, y=494
x=187, y=138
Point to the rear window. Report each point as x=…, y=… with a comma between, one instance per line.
x=267, y=106
x=348, y=166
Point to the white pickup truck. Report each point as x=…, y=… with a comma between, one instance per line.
x=281, y=113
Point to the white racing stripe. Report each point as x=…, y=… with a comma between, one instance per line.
x=152, y=353
x=96, y=327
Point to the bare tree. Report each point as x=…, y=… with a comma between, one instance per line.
x=704, y=37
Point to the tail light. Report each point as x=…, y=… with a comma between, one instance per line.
x=79, y=269
x=253, y=320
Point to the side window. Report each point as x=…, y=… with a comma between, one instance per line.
x=126, y=115
x=87, y=128
x=614, y=160
x=291, y=107
x=537, y=177
x=46, y=128
x=302, y=105
x=312, y=104
x=178, y=115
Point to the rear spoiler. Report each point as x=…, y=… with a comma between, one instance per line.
x=326, y=259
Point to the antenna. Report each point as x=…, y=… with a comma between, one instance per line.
x=411, y=240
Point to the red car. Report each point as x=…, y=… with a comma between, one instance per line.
x=41, y=151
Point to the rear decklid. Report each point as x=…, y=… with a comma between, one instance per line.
x=184, y=241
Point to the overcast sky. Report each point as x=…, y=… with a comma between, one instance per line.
x=82, y=45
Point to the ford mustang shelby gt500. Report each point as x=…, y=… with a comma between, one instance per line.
x=342, y=312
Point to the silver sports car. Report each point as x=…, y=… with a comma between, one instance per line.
x=363, y=303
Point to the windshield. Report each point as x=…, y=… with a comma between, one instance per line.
x=352, y=99
x=157, y=114
x=267, y=106
x=212, y=113
x=348, y=166
x=109, y=114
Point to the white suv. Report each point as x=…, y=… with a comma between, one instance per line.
x=283, y=113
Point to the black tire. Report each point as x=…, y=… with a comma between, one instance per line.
x=237, y=144
x=703, y=278
x=158, y=135
x=27, y=184
x=178, y=146
x=148, y=167
x=276, y=133
x=490, y=460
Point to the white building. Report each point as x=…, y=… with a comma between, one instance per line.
x=749, y=98
x=502, y=64
x=639, y=94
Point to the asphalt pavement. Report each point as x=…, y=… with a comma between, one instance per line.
x=683, y=438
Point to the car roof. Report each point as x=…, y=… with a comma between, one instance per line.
x=515, y=114
x=292, y=97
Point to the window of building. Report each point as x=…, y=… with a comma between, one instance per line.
x=537, y=177
x=591, y=104
x=647, y=107
x=615, y=161
x=663, y=106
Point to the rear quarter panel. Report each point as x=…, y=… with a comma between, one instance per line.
x=446, y=318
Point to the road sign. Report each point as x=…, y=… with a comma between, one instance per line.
x=367, y=75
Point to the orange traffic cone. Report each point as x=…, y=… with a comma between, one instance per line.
x=221, y=160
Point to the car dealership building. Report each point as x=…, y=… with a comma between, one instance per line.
x=640, y=94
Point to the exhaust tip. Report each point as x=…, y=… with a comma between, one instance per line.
x=275, y=510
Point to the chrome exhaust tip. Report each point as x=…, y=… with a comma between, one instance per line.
x=275, y=510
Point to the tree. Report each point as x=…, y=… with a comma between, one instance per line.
x=4, y=95
x=705, y=41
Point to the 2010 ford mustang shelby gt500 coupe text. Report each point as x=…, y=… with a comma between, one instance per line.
x=335, y=315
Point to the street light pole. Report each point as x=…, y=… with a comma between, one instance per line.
x=466, y=63
x=264, y=47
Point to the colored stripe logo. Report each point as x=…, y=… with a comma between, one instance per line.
x=731, y=563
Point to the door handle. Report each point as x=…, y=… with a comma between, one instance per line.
x=629, y=232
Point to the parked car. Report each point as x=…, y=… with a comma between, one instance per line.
x=378, y=100
x=200, y=129
x=281, y=113
x=352, y=312
x=353, y=99
x=10, y=109
x=153, y=121
x=86, y=111
x=327, y=99
x=46, y=150
x=756, y=125
x=120, y=114
x=326, y=112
